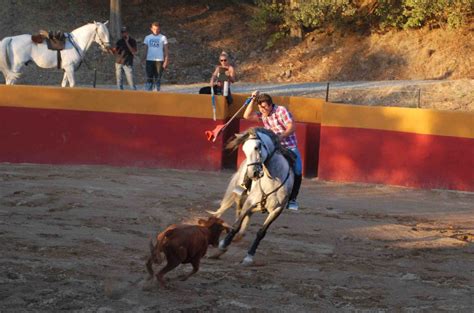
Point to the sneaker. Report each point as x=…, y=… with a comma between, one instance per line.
x=293, y=205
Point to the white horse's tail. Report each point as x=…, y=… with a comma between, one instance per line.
x=229, y=196
x=4, y=60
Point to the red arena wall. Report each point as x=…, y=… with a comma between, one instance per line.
x=397, y=146
x=86, y=126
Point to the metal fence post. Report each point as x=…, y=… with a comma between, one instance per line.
x=95, y=78
x=419, y=98
x=327, y=92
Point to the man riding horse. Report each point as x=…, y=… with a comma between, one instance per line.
x=280, y=121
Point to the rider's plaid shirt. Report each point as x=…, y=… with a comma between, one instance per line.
x=277, y=121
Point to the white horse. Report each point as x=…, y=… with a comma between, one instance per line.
x=18, y=50
x=270, y=168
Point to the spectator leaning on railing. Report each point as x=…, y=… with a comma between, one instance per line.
x=222, y=77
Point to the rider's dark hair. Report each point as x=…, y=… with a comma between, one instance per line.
x=264, y=97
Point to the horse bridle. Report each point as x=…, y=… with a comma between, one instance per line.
x=259, y=159
x=265, y=196
x=103, y=44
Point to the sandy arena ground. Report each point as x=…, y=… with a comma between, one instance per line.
x=75, y=238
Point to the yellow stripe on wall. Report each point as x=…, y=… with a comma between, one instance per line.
x=116, y=101
x=305, y=110
x=420, y=121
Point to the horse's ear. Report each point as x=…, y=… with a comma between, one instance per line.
x=106, y=22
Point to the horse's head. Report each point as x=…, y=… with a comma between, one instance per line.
x=257, y=148
x=102, y=37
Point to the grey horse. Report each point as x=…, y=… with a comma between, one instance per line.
x=270, y=167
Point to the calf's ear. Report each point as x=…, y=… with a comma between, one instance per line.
x=202, y=222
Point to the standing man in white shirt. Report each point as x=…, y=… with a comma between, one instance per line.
x=156, y=51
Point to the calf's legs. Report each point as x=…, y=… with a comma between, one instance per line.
x=195, y=264
x=171, y=264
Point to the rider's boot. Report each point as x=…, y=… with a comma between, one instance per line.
x=243, y=188
x=293, y=204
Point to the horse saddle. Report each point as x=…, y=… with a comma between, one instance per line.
x=55, y=40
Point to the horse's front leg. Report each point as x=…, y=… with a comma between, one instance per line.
x=69, y=75
x=272, y=216
x=13, y=75
x=64, y=81
x=237, y=227
x=224, y=243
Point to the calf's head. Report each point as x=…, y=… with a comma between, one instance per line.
x=215, y=226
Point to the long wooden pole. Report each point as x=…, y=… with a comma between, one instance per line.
x=115, y=19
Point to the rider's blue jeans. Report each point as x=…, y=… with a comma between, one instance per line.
x=298, y=167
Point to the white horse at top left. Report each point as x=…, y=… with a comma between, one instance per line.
x=17, y=51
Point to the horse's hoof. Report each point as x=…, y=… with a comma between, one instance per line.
x=222, y=246
x=248, y=260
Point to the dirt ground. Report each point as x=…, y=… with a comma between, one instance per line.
x=75, y=238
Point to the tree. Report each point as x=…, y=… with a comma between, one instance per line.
x=115, y=19
x=295, y=29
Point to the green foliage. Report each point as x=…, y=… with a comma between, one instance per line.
x=268, y=16
x=314, y=14
x=274, y=38
x=277, y=17
x=388, y=14
x=418, y=13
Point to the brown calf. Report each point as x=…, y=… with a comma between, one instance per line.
x=184, y=244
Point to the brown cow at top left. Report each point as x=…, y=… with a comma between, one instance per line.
x=184, y=243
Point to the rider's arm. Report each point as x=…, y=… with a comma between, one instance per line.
x=287, y=119
x=290, y=129
x=249, y=114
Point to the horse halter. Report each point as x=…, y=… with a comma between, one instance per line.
x=103, y=44
x=260, y=162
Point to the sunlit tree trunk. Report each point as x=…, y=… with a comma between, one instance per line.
x=295, y=30
x=115, y=18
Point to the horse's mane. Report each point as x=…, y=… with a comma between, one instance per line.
x=239, y=139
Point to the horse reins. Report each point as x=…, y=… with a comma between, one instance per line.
x=102, y=43
x=270, y=155
x=265, y=196
x=76, y=47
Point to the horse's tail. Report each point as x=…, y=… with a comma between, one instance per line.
x=5, y=46
x=229, y=196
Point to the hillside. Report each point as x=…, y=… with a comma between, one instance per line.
x=198, y=32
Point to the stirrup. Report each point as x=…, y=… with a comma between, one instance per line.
x=240, y=190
